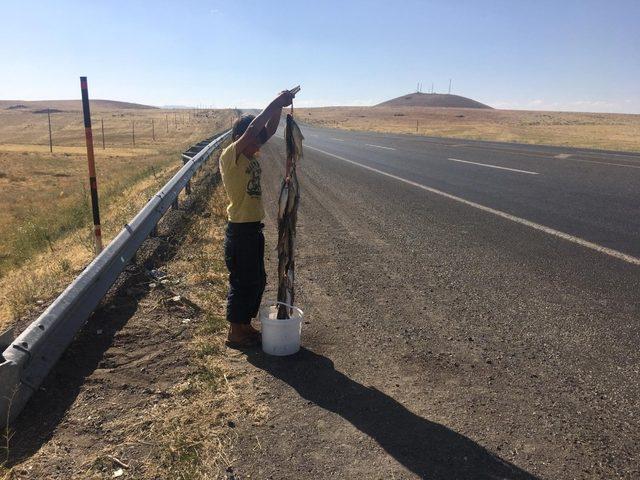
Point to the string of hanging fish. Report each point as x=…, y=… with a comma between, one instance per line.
x=287, y=215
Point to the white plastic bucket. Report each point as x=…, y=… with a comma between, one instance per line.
x=280, y=336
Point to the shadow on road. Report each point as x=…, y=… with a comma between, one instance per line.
x=428, y=449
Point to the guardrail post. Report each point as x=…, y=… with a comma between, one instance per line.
x=187, y=188
x=11, y=397
x=6, y=338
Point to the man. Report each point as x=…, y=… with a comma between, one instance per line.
x=244, y=241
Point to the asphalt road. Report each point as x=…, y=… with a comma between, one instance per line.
x=464, y=320
x=588, y=194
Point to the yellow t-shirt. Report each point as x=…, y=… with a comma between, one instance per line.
x=241, y=179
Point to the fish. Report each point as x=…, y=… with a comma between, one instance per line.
x=287, y=217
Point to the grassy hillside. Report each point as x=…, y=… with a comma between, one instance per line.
x=588, y=130
x=440, y=100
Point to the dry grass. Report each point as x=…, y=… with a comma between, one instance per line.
x=585, y=130
x=191, y=439
x=189, y=436
x=45, y=220
x=24, y=287
x=43, y=195
x=186, y=435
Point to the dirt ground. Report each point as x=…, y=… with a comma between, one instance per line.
x=586, y=130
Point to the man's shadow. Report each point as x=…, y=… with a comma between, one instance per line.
x=428, y=449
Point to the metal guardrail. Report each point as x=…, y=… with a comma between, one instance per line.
x=29, y=358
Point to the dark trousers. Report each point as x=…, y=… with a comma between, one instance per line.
x=244, y=256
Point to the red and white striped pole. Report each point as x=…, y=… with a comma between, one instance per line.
x=93, y=184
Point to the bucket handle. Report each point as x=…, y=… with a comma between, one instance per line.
x=269, y=304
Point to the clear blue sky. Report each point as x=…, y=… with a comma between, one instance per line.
x=561, y=55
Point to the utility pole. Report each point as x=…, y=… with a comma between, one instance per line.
x=449, y=86
x=166, y=119
x=102, y=126
x=50, y=140
x=431, y=87
x=153, y=130
x=133, y=132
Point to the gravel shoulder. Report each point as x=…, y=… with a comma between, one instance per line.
x=441, y=343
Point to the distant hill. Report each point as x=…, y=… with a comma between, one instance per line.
x=67, y=105
x=432, y=100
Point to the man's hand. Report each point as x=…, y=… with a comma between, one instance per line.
x=284, y=98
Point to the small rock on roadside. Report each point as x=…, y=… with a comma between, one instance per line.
x=157, y=274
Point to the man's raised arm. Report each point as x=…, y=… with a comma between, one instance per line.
x=252, y=132
x=272, y=123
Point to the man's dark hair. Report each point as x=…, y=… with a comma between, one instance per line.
x=240, y=126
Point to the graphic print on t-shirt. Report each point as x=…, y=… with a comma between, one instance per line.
x=253, y=185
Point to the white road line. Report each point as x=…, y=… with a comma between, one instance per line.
x=627, y=155
x=338, y=139
x=603, y=163
x=493, y=166
x=379, y=146
x=556, y=233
